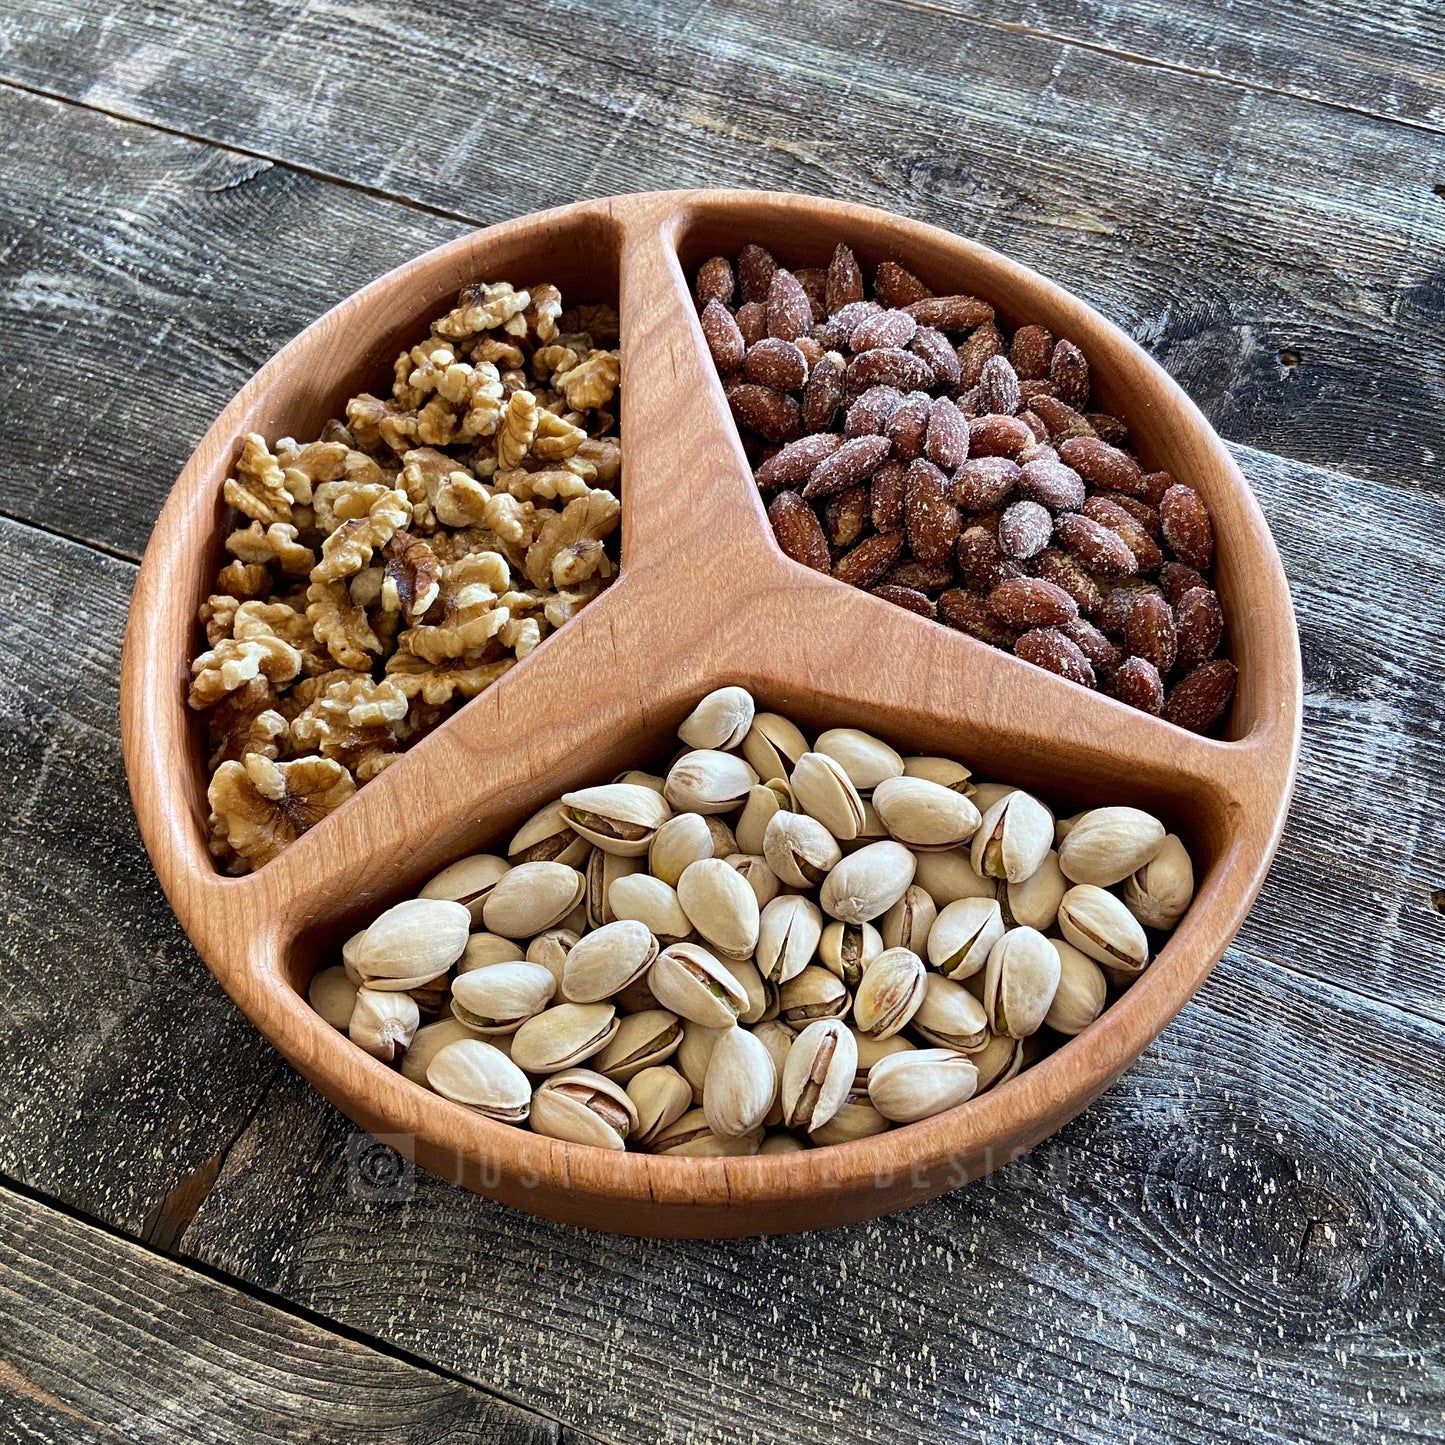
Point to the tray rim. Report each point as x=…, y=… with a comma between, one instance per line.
x=710, y=1197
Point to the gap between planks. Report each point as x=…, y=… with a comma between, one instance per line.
x=566, y=1432
x=299, y=168
x=1153, y=62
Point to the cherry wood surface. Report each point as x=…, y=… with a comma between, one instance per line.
x=704, y=598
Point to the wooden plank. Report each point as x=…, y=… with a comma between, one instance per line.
x=127, y=1070
x=1273, y=252
x=103, y=1340
x=1242, y=1240
x=144, y=279
x=1380, y=62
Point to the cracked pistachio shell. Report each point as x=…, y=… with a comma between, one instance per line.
x=1035, y=902
x=684, y=838
x=950, y=876
x=1020, y=981
x=751, y=982
x=908, y=923
x=1106, y=845
x=473, y=1073
x=813, y=994
x=550, y=949
x=985, y=795
x=765, y=801
x=944, y=771
x=872, y=825
x=818, y=1074
x=691, y=1138
x=562, y=1036
x=661, y=1097
x=412, y=943
x=963, y=937
x=758, y=876
x=1013, y=837
x=857, y=1119
x=547, y=837
x=603, y=869
x=781, y=1143
x=468, y=881
x=581, y=1107
x=740, y=1084
x=383, y=1023
x=698, y=987
x=693, y=1053
x=721, y=905
x=890, y=993
x=866, y=760
x=846, y=949
x=616, y=817
x=1081, y=994
x=333, y=995
x=430, y=1040
x=721, y=720
x=707, y=781
x=950, y=1016
x=532, y=898
x=789, y=930
x=867, y=883
x=641, y=1041
x=918, y=1085
x=998, y=1060
x=485, y=949
x=800, y=850
x=1159, y=893
x=641, y=898
x=924, y=815
x=605, y=961
x=500, y=999
x=871, y=1049
x=1098, y=924
x=777, y=1038
x=773, y=746
x=824, y=791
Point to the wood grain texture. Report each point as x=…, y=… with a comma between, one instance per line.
x=126, y=1068
x=1387, y=63
x=609, y=691
x=1241, y=1240
x=1225, y=227
x=101, y=1340
x=144, y=278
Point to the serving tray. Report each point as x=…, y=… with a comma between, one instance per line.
x=704, y=598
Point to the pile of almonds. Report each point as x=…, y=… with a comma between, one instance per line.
x=768, y=945
x=912, y=447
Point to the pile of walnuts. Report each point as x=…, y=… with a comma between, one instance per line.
x=388, y=571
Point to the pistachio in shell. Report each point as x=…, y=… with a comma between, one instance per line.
x=472, y=1072
x=911, y=1086
x=412, y=943
x=616, y=817
x=532, y=898
x=563, y=1036
x=868, y=761
x=1106, y=845
x=579, y=1106
x=721, y=720
x=500, y=999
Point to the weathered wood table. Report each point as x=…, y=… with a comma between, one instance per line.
x=1242, y=1240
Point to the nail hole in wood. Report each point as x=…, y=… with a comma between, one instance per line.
x=1437, y=900
x=1289, y=357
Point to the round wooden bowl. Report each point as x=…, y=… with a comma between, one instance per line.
x=705, y=597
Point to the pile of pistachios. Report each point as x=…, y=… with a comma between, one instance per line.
x=768, y=945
